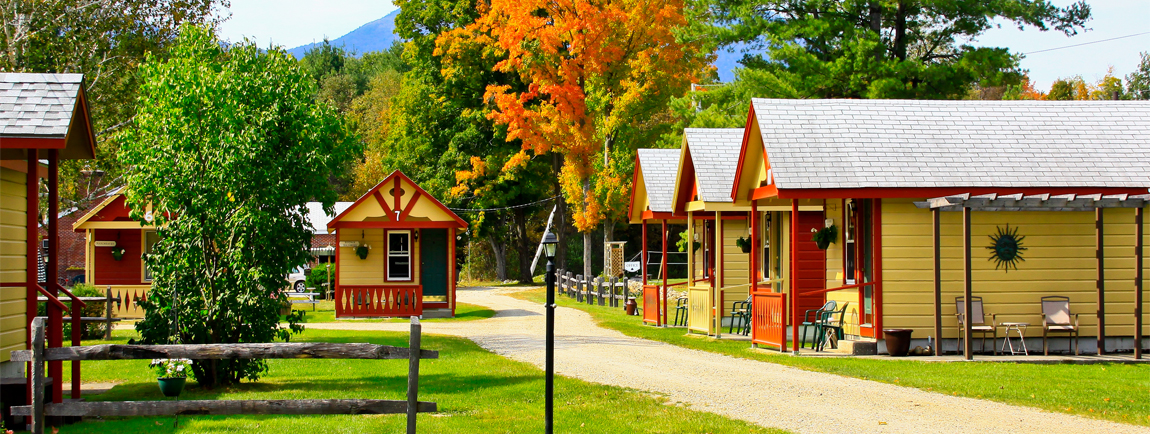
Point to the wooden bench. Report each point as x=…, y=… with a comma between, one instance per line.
x=295, y=298
x=38, y=355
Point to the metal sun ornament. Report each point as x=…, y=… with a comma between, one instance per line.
x=1006, y=248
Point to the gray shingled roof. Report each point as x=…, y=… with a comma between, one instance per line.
x=659, y=167
x=715, y=155
x=37, y=105
x=899, y=143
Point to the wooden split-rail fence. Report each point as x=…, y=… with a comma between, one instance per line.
x=107, y=319
x=612, y=292
x=38, y=355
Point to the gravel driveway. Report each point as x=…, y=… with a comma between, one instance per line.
x=762, y=393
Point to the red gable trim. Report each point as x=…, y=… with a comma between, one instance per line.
x=685, y=194
x=634, y=182
x=32, y=143
x=395, y=177
x=743, y=153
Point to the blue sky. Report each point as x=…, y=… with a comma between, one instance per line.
x=292, y=23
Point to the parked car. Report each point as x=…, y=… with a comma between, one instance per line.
x=297, y=279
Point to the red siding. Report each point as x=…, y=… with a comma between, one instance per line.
x=126, y=271
x=811, y=262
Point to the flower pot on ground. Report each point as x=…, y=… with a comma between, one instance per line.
x=173, y=374
x=171, y=387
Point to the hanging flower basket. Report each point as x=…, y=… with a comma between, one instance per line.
x=361, y=251
x=744, y=243
x=825, y=236
x=117, y=253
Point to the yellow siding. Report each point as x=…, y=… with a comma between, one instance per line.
x=370, y=271
x=13, y=245
x=736, y=283
x=1060, y=260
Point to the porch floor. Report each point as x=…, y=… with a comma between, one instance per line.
x=1085, y=359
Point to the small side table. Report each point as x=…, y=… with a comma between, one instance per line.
x=1020, y=329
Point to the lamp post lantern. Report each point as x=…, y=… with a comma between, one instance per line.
x=550, y=243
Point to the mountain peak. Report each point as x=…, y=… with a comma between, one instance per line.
x=377, y=35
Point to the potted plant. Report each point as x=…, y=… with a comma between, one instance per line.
x=173, y=373
x=361, y=251
x=744, y=243
x=117, y=253
x=825, y=236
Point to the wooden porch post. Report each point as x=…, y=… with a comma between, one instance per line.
x=937, y=282
x=794, y=288
x=967, y=293
x=1138, y=254
x=32, y=246
x=1101, y=282
x=690, y=260
x=643, y=254
x=663, y=271
x=753, y=270
x=717, y=286
x=876, y=252
x=335, y=285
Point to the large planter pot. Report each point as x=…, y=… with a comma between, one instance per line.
x=630, y=306
x=171, y=387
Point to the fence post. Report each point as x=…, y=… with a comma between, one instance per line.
x=108, y=315
x=579, y=288
x=570, y=293
x=600, y=289
x=413, y=375
x=626, y=292
x=38, y=376
x=611, y=293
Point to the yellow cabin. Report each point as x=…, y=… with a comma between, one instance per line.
x=46, y=121
x=651, y=202
x=396, y=253
x=1066, y=180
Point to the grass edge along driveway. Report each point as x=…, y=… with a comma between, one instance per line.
x=477, y=392
x=1112, y=392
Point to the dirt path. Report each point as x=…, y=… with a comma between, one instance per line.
x=762, y=393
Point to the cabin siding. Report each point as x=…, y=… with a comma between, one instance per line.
x=370, y=271
x=13, y=260
x=1059, y=260
x=736, y=283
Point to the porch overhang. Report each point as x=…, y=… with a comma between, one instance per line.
x=1035, y=202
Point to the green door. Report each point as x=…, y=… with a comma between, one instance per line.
x=433, y=262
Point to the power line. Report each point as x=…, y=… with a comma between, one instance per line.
x=1088, y=43
x=504, y=208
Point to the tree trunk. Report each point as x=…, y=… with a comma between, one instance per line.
x=560, y=223
x=900, y=31
x=525, y=254
x=587, y=252
x=608, y=236
x=499, y=249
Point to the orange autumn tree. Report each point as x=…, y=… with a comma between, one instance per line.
x=593, y=70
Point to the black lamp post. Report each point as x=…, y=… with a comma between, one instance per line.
x=550, y=243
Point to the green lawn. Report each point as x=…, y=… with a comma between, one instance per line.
x=325, y=312
x=477, y=392
x=1108, y=391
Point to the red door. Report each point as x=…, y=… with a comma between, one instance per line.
x=810, y=263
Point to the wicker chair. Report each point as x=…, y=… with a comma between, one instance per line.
x=1056, y=318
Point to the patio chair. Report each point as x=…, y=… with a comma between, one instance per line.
x=977, y=324
x=680, y=312
x=833, y=326
x=741, y=313
x=815, y=322
x=1056, y=318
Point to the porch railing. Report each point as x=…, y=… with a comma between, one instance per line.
x=652, y=313
x=769, y=319
x=378, y=300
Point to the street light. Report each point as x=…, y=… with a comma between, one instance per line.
x=550, y=243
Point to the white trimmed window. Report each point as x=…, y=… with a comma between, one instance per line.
x=399, y=256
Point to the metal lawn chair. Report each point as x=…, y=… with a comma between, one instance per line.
x=681, y=311
x=832, y=327
x=741, y=314
x=977, y=324
x=815, y=323
x=1056, y=318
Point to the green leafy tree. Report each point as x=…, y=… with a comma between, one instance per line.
x=1138, y=82
x=227, y=149
x=1061, y=90
x=880, y=48
x=106, y=40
